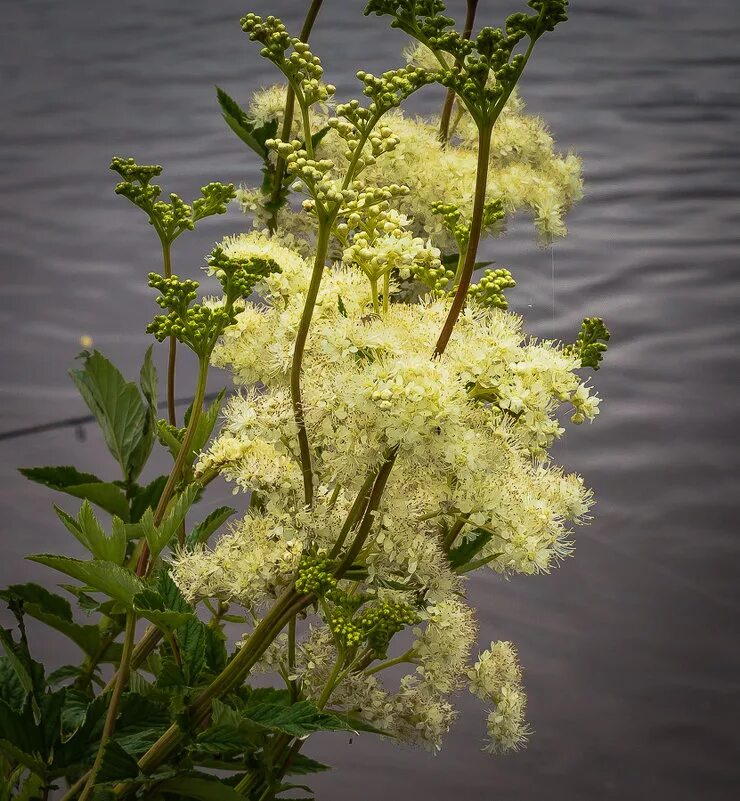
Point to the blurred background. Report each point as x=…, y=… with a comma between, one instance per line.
x=631, y=649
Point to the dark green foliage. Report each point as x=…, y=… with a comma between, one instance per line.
x=200, y=534
x=240, y=123
x=469, y=548
x=125, y=418
x=69, y=480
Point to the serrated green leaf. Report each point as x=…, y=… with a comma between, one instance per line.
x=223, y=715
x=170, y=593
x=147, y=497
x=149, y=604
x=139, y=713
x=167, y=438
x=16, y=754
x=170, y=675
x=87, y=486
x=20, y=730
x=192, y=641
x=88, y=531
x=22, y=671
x=357, y=724
x=109, y=548
x=11, y=689
x=242, y=125
x=301, y=765
x=297, y=720
x=31, y=593
x=63, y=673
x=200, y=788
x=205, y=528
x=148, y=383
x=116, y=405
x=285, y=787
x=159, y=537
x=106, y=577
x=269, y=695
x=116, y=764
x=224, y=740
x=86, y=637
x=74, y=713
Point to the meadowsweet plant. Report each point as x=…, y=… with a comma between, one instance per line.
x=389, y=435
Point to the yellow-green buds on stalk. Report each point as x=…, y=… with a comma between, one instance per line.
x=383, y=620
x=169, y=219
x=375, y=624
x=591, y=342
x=302, y=68
x=489, y=291
x=484, y=70
x=199, y=326
x=315, y=575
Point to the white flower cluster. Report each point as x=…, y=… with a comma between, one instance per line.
x=467, y=432
x=496, y=678
x=525, y=170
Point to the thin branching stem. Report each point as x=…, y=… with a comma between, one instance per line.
x=444, y=119
x=172, y=355
x=110, y=719
x=279, y=177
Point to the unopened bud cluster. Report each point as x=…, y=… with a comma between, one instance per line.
x=301, y=67
x=375, y=625
x=591, y=342
x=315, y=575
x=355, y=124
x=169, y=219
x=239, y=275
x=392, y=87
x=366, y=206
x=200, y=325
x=383, y=620
x=489, y=291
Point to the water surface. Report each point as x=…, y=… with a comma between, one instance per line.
x=631, y=650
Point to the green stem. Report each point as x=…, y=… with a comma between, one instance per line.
x=444, y=120
x=322, y=248
x=368, y=519
x=355, y=513
x=288, y=120
x=449, y=538
x=291, y=657
x=479, y=202
x=110, y=718
x=374, y=293
x=289, y=604
x=331, y=682
x=386, y=291
x=172, y=356
x=182, y=456
x=398, y=660
x=460, y=266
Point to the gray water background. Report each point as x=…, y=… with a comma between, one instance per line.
x=631, y=649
